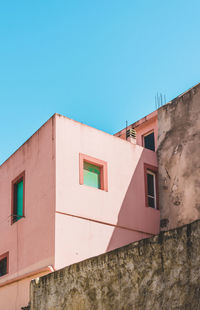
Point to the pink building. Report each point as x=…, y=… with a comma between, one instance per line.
x=71, y=192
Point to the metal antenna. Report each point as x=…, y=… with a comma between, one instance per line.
x=160, y=100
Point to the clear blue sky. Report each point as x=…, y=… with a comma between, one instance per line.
x=98, y=62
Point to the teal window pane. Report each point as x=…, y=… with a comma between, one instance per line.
x=19, y=200
x=91, y=175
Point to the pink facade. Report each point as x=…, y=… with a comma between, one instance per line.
x=144, y=126
x=65, y=220
x=30, y=241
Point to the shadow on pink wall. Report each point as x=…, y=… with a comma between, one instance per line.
x=134, y=215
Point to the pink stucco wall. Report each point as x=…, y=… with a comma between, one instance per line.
x=90, y=221
x=66, y=222
x=30, y=241
x=16, y=294
x=143, y=126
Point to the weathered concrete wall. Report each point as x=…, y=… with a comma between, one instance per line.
x=179, y=159
x=157, y=273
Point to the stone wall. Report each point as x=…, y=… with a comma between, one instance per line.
x=179, y=159
x=25, y=308
x=160, y=273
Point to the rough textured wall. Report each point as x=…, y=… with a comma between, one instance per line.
x=179, y=159
x=153, y=274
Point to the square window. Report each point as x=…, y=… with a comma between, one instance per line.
x=149, y=141
x=18, y=198
x=3, y=264
x=93, y=172
x=151, y=186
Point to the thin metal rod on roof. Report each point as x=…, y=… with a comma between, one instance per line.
x=126, y=128
x=160, y=100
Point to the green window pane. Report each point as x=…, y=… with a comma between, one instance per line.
x=91, y=175
x=19, y=200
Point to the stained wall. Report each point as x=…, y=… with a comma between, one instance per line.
x=178, y=159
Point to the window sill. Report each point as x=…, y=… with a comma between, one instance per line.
x=94, y=188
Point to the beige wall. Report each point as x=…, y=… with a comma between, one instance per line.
x=179, y=159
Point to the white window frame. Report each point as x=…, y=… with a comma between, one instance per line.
x=154, y=187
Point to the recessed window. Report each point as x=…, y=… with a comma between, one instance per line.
x=18, y=198
x=149, y=141
x=91, y=175
x=93, y=172
x=151, y=191
x=3, y=264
